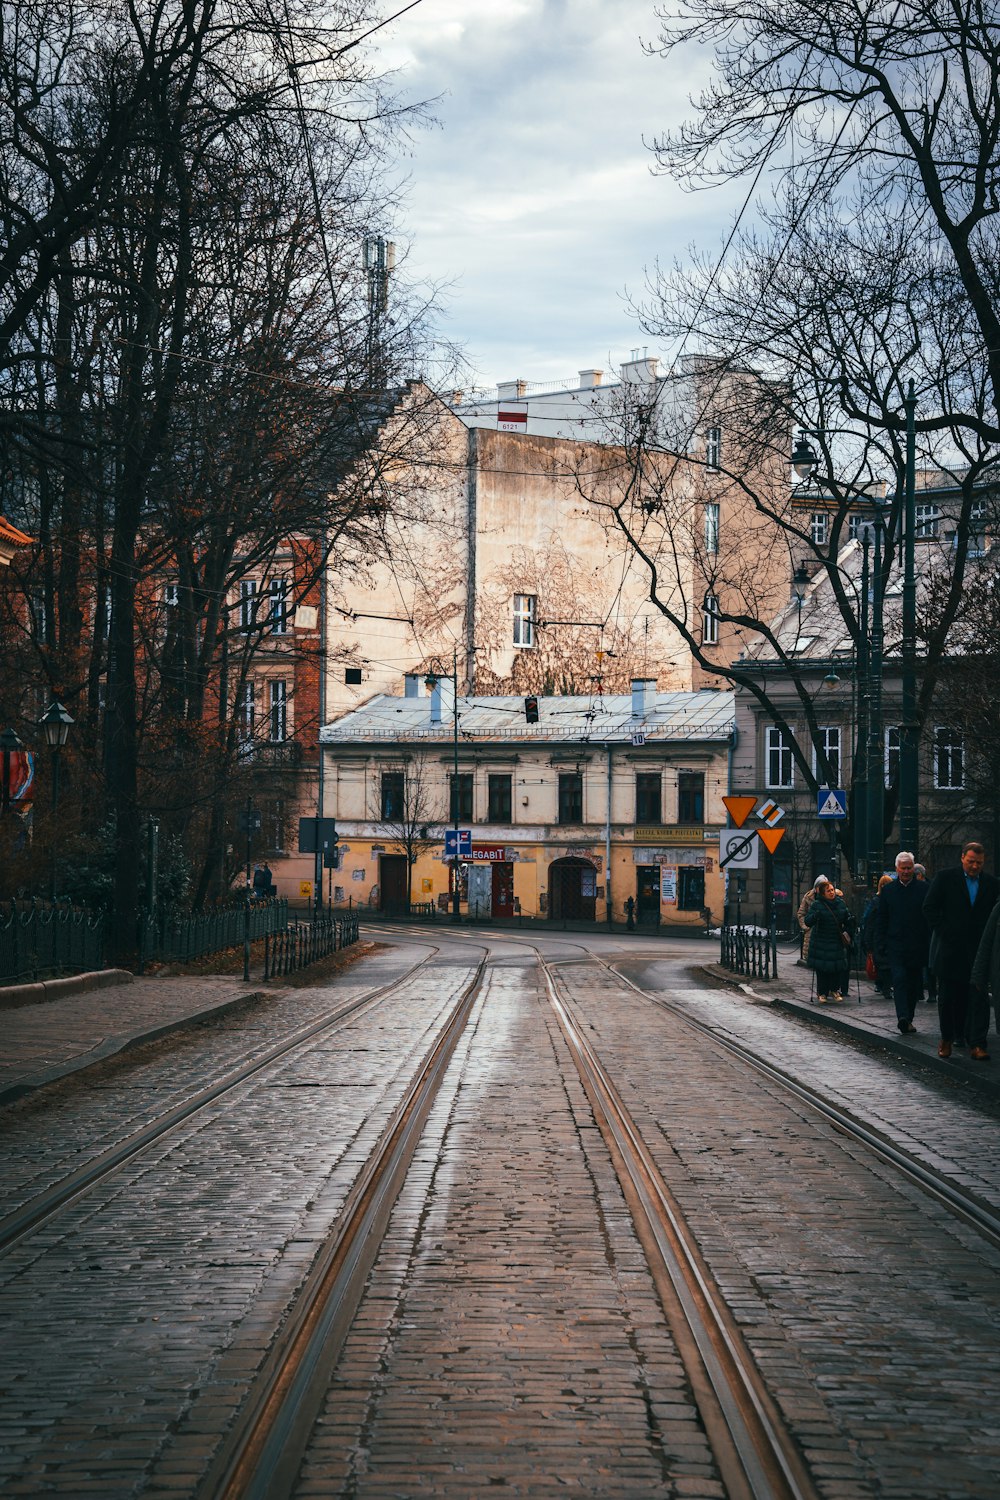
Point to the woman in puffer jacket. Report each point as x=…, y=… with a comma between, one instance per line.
x=831, y=926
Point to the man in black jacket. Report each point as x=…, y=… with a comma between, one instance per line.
x=957, y=906
x=902, y=934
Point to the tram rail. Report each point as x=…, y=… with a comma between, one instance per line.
x=41, y=1207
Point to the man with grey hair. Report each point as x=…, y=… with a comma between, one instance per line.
x=903, y=936
x=957, y=908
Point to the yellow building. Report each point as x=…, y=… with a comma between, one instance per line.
x=604, y=800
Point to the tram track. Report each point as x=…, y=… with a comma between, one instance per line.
x=262, y=1453
x=42, y=1207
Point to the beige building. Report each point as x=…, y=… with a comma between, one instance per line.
x=527, y=559
x=605, y=800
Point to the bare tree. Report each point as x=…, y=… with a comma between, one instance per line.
x=407, y=801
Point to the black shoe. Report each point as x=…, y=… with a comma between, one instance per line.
x=906, y=1027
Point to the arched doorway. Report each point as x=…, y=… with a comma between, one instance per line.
x=572, y=889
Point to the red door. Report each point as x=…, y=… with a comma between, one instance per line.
x=503, y=889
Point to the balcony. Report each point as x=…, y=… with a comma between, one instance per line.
x=271, y=755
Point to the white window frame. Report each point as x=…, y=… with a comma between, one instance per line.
x=246, y=710
x=819, y=528
x=776, y=744
x=710, y=620
x=525, y=607
x=892, y=745
x=277, y=710
x=713, y=448
x=854, y=525
x=711, y=526
x=830, y=736
x=926, y=520
x=248, y=605
x=949, y=758
x=171, y=594
x=277, y=605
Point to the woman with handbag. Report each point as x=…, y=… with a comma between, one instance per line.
x=832, y=929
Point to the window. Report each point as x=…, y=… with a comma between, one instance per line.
x=949, y=767
x=779, y=759
x=819, y=528
x=524, y=619
x=690, y=797
x=829, y=743
x=499, y=803
x=647, y=797
x=711, y=527
x=352, y=676
x=277, y=612
x=274, y=824
x=460, y=797
x=892, y=754
x=393, y=794
x=171, y=594
x=713, y=447
x=39, y=616
x=710, y=621
x=277, y=710
x=570, y=797
x=690, y=888
x=245, y=710
x=926, y=518
x=248, y=603
x=854, y=525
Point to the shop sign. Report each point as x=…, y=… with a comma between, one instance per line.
x=670, y=833
x=694, y=858
x=489, y=854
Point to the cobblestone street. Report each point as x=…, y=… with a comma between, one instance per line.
x=509, y=1332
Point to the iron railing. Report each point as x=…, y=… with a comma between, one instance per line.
x=168, y=938
x=752, y=950
x=306, y=943
x=37, y=939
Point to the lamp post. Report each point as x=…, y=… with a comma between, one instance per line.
x=432, y=679
x=909, y=822
x=55, y=724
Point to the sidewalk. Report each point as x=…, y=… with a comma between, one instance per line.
x=47, y=1036
x=865, y=1014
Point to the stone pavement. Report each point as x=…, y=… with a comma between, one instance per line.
x=81, y=1023
x=864, y=1014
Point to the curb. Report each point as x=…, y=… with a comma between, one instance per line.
x=38, y=991
x=115, y=1045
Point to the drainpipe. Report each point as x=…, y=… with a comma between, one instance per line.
x=607, y=846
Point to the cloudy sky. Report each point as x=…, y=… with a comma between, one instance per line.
x=532, y=197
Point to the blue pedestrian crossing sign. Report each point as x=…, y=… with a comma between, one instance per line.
x=831, y=802
x=458, y=843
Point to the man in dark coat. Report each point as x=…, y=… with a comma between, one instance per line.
x=902, y=933
x=957, y=908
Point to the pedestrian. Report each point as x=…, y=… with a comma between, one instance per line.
x=984, y=980
x=800, y=917
x=262, y=882
x=902, y=933
x=831, y=928
x=957, y=909
x=872, y=943
x=930, y=978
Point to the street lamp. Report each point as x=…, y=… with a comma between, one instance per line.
x=55, y=724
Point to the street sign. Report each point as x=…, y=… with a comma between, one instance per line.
x=739, y=808
x=458, y=843
x=831, y=802
x=311, y=830
x=770, y=813
x=770, y=838
x=738, y=850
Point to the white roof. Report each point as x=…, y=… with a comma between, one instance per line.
x=705, y=715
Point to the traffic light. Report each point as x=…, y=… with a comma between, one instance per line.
x=531, y=709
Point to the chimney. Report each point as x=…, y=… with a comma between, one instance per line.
x=643, y=692
x=511, y=390
x=590, y=378
x=442, y=700
x=413, y=685
x=639, y=371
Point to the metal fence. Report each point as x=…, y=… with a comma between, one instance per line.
x=37, y=940
x=165, y=938
x=305, y=943
x=750, y=950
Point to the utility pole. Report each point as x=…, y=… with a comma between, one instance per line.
x=909, y=744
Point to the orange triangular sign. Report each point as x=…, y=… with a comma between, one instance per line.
x=739, y=809
x=770, y=838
